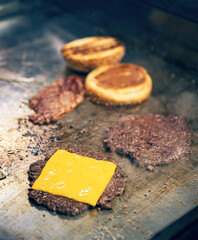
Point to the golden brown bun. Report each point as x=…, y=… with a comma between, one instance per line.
x=138, y=91
x=88, y=53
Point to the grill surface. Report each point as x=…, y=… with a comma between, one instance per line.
x=30, y=40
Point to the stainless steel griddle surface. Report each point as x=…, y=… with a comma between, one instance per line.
x=30, y=40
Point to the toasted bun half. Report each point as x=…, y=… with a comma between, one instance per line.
x=88, y=53
x=119, y=84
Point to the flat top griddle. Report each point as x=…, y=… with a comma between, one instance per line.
x=31, y=36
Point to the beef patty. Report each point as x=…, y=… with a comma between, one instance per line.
x=57, y=100
x=69, y=206
x=151, y=139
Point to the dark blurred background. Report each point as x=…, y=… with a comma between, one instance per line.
x=149, y=21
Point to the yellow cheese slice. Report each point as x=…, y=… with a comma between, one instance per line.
x=73, y=176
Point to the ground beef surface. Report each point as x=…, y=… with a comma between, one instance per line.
x=57, y=100
x=69, y=206
x=150, y=140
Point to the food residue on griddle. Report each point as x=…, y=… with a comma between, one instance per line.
x=150, y=140
x=57, y=100
x=2, y=176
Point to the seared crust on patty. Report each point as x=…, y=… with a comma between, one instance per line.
x=69, y=206
x=88, y=53
x=151, y=139
x=57, y=100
